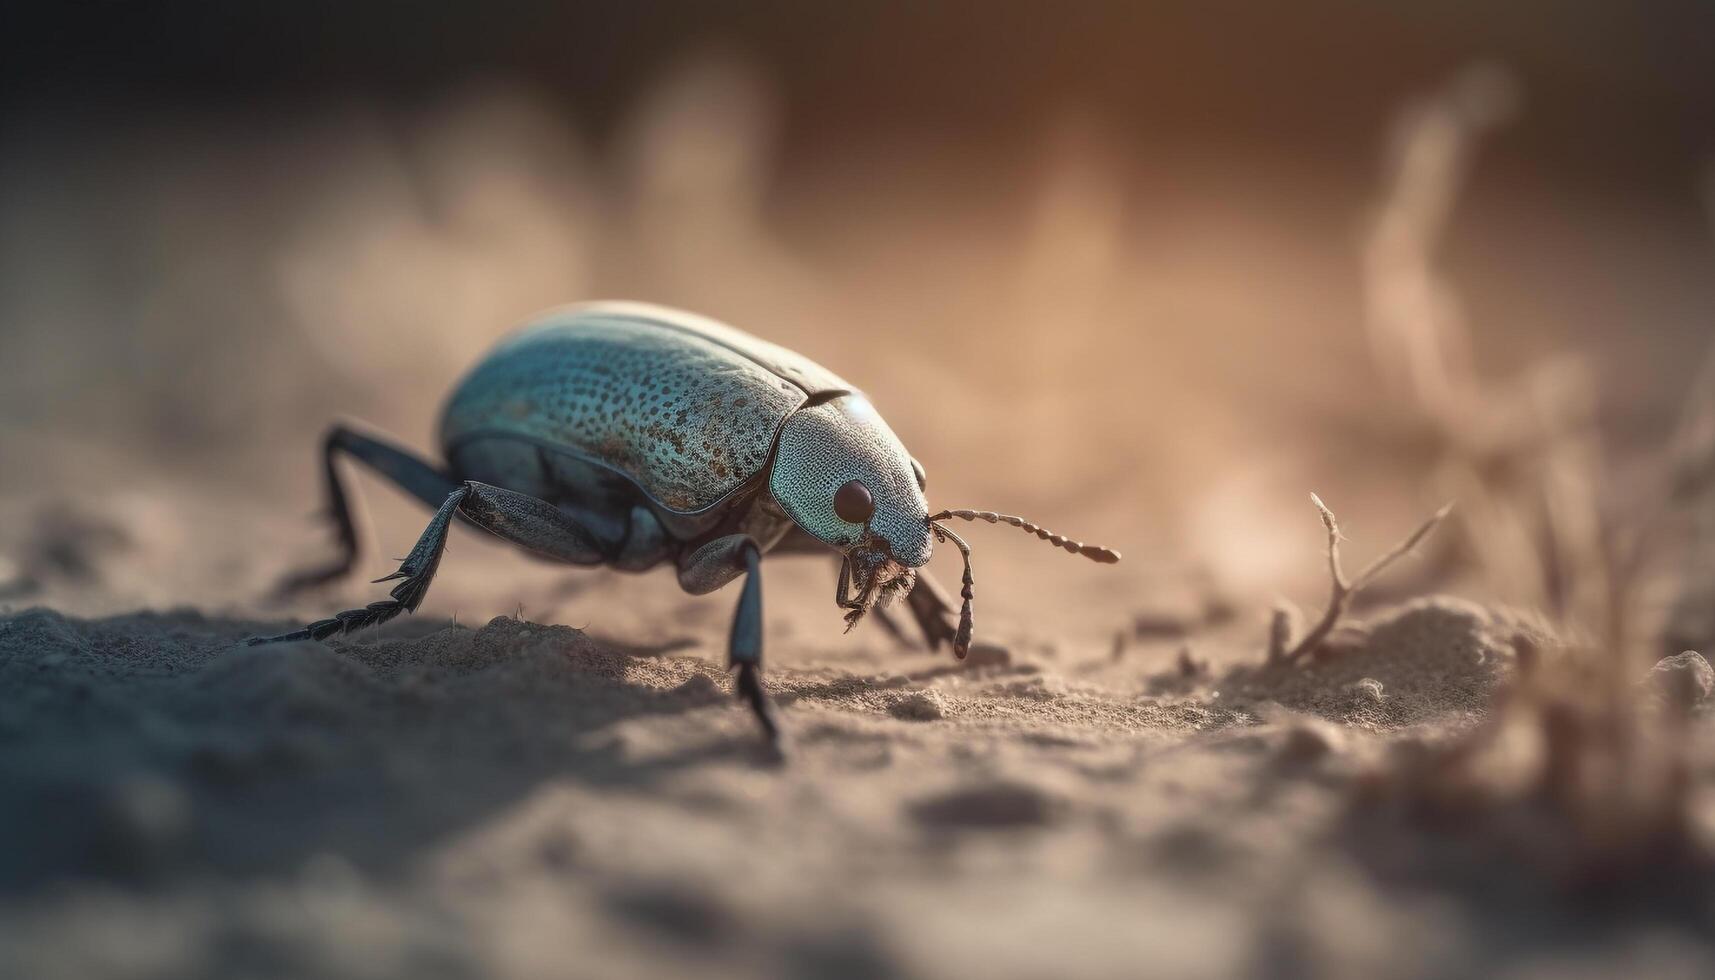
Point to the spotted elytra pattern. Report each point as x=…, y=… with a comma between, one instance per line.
x=687, y=418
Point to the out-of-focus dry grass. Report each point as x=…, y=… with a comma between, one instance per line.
x=1582, y=769
x=1691, y=622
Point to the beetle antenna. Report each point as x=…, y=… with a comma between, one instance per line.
x=1097, y=553
x=961, y=638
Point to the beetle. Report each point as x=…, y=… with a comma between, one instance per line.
x=628, y=435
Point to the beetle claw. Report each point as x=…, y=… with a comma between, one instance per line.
x=748, y=687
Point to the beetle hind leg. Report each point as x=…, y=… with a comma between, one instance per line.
x=409, y=472
x=526, y=521
x=417, y=571
x=531, y=523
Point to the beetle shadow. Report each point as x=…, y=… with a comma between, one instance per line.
x=661, y=648
x=144, y=748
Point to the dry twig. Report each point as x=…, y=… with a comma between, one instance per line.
x=1343, y=590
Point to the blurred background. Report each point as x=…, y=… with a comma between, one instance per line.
x=1143, y=272
x=1129, y=267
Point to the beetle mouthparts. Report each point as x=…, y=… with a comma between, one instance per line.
x=881, y=582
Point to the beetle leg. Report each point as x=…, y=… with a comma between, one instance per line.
x=890, y=624
x=798, y=542
x=932, y=609
x=744, y=649
x=407, y=471
x=645, y=544
x=707, y=569
x=929, y=604
x=417, y=570
x=530, y=523
x=843, y=586
x=715, y=563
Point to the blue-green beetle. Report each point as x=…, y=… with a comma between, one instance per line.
x=628, y=435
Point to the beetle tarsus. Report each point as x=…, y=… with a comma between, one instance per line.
x=748, y=686
x=417, y=571
x=744, y=648
x=373, y=614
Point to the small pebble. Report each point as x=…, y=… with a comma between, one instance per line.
x=919, y=706
x=1686, y=680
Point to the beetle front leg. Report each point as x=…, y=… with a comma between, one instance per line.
x=707, y=569
x=744, y=647
x=932, y=609
x=843, y=585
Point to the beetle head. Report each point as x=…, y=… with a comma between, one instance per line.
x=843, y=476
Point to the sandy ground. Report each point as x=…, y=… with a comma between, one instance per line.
x=517, y=799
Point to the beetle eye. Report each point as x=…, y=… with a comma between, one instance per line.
x=853, y=503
